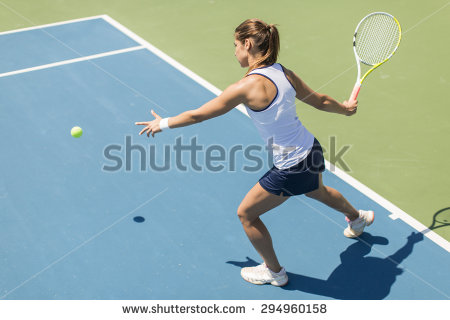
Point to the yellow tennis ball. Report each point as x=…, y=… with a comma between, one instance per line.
x=76, y=132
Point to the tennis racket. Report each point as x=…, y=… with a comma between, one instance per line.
x=376, y=39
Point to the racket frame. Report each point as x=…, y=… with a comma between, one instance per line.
x=360, y=80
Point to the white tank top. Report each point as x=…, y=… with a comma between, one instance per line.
x=278, y=123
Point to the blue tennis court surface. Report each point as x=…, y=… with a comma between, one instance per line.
x=67, y=224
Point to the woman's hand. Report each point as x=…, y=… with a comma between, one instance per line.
x=350, y=107
x=150, y=126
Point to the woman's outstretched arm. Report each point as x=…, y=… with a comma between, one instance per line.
x=234, y=95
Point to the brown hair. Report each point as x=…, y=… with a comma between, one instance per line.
x=265, y=37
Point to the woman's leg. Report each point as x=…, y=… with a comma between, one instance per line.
x=334, y=199
x=255, y=203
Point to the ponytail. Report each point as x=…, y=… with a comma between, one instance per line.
x=265, y=37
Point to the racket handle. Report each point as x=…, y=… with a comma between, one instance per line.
x=355, y=92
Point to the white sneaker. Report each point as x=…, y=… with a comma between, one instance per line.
x=356, y=227
x=262, y=275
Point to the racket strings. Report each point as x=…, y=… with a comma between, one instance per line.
x=368, y=43
x=377, y=38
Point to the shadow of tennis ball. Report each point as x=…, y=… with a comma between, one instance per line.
x=138, y=219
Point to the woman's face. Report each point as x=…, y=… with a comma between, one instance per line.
x=241, y=52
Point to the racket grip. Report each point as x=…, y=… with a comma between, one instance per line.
x=355, y=92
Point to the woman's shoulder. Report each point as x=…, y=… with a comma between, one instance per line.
x=246, y=85
x=252, y=79
x=259, y=90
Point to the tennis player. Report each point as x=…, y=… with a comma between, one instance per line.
x=268, y=91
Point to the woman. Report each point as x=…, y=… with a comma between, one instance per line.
x=268, y=91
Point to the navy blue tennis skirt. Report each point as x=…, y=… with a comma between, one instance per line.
x=298, y=179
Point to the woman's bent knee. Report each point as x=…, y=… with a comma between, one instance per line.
x=244, y=216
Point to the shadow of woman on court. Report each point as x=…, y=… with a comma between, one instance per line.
x=357, y=277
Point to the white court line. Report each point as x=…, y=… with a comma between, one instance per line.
x=396, y=212
x=168, y=59
x=51, y=24
x=64, y=62
x=78, y=53
x=374, y=248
